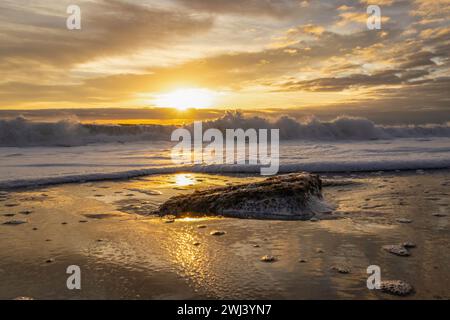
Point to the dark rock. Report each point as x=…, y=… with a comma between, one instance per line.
x=403, y=220
x=281, y=197
x=396, y=287
x=341, y=269
x=14, y=222
x=397, y=249
x=268, y=259
x=217, y=233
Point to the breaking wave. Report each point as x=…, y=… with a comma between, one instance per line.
x=21, y=132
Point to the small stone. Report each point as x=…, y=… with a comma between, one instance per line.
x=314, y=219
x=9, y=215
x=256, y=246
x=217, y=233
x=403, y=220
x=23, y=298
x=14, y=222
x=202, y=226
x=49, y=260
x=63, y=223
x=303, y=261
x=169, y=221
x=34, y=229
x=341, y=269
x=11, y=205
x=439, y=215
x=268, y=259
x=196, y=244
x=409, y=245
x=396, y=287
x=26, y=212
x=83, y=221
x=398, y=250
x=319, y=250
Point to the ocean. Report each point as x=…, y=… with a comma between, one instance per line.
x=34, y=154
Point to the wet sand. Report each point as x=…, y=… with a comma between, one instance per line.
x=124, y=254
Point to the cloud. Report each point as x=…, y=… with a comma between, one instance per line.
x=109, y=28
x=272, y=8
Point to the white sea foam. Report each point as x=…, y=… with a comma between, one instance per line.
x=23, y=133
x=21, y=167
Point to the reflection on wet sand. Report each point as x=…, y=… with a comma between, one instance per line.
x=127, y=254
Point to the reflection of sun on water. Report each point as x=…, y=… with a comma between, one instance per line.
x=182, y=180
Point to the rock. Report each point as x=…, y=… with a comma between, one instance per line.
x=409, y=244
x=9, y=215
x=11, y=205
x=217, y=233
x=268, y=259
x=49, y=260
x=341, y=269
x=303, y=261
x=196, y=244
x=34, y=229
x=202, y=226
x=83, y=221
x=63, y=223
x=439, y=215
x=314, y=219
x=169, y=221
x=398, y=250
x=23, y=298
x=396, y=287
x=403, y=220
x=319, y=250
x=101, y=215
x=14, y=222
x=26, y=212
x=282, y=197
x=256, y=246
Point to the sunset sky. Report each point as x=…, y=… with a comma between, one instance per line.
x=239, y=54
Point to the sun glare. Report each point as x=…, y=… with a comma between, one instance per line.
x=183, y=99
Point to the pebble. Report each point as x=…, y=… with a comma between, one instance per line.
x=83, y=221
x=169, y=221
x=196, y=244
x=202, y=226
x=404, y=220
x=49, y=260
x=303, y=261
x=9, y=215
x=14, y=222
x=319, y=250
x=439, y=215
x=217, y=233
x=397, y=249
x=23, y=298
x=314, y=219
x=268, y=259
x=26, y=212
x=409, y=244
x=256, y=246
x=11, y=205
x=396, y=287
x=341, y=269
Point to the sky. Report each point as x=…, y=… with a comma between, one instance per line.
x=252, y=55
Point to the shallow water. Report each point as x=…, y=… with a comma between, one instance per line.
x=131, y=256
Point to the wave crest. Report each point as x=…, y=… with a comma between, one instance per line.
x=21, y=132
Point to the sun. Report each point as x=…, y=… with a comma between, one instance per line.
x=183, y=99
